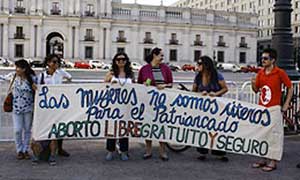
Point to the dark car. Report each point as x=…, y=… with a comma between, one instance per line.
x=37, y=63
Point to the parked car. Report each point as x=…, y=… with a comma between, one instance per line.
x=5, y=62
x=82, y=65
x=228, y=67
x=249, y=68
x=188, y=67
x=106, y=66
x=36, y=63
x=28, y=60
x=96, y=63
x=66, y=63
x=136, y=66
x=174, y=67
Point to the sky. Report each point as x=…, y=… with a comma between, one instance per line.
x=151, y=2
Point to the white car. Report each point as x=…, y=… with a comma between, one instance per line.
x=66, y=63
x=136, y=66
x=96, y=63
x=228, y=67
x=106, y=66
x=5, y=62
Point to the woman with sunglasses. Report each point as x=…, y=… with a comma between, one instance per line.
x=23, y=87
x=122, y=74
x=209, y=82
x=158, y=74
x=52, y=75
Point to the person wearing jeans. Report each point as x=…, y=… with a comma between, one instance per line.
x=23, y=88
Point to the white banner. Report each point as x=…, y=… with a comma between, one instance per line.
x=79, y=111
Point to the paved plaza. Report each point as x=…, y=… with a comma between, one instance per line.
x=87, y=163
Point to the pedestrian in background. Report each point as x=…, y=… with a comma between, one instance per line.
x=121, y=73
x=158, y=74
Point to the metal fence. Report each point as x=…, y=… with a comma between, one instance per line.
x=237, y=90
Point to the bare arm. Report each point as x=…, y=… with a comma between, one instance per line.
x=222, y=91
x=254, y=88
x=195, y=88
x=108, y=77
x=288, y=99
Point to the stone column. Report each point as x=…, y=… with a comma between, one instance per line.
x=186, y=49
x=32, y=6
x=5, y=6
x=108, y=43
x=39, y=41
x=5, y=41
x=77, y=42
x=77, y=7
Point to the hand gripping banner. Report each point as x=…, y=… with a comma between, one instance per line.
x=84, y=111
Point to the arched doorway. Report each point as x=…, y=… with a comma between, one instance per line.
x=55, y=44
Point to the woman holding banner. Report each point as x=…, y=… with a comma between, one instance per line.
x=23, y=87
x=52, y=75
x=209, y=82
x=121, y=73
x=156, y=73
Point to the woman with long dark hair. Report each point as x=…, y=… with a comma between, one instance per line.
x=23, y=94
x=122, y=74
x=158, y=74
x=209, y=82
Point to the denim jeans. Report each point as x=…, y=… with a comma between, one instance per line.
x=22, y=123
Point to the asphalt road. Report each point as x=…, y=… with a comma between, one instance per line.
x=87, y=163
x=178, y=76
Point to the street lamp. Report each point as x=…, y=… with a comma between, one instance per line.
x=282, y=38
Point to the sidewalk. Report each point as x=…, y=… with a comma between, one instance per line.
x=87, y=162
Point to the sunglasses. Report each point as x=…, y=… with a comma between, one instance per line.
x=54, y=62
x=120, y=59
x=199, y=63
x=265, y=58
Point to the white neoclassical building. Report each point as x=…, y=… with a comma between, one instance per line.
x=97, y=29
x=264, y=10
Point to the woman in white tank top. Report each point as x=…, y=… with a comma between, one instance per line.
x=121, y=73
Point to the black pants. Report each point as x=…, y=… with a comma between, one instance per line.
x=59, y=144
x=214, y=152
x=111, y=144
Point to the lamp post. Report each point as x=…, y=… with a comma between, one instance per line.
x=282, y=38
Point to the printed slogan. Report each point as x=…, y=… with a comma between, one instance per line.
x=84, y=111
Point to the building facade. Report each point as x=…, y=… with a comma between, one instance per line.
x=264, y=10
x=97, y=29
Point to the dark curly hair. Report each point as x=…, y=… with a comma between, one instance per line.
x=23, y=64
x=128, y=69
x=209, y=66
x=50, y=57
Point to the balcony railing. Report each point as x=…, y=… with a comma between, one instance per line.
x=89, y=38
x=121, y=39
x=89, y=13
x=173, y=42
x=19, y=36
x=198, y=43
x=148, y=41
x=19, y=10
x=221, y=44
x=243, y=45
x=55, y=11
